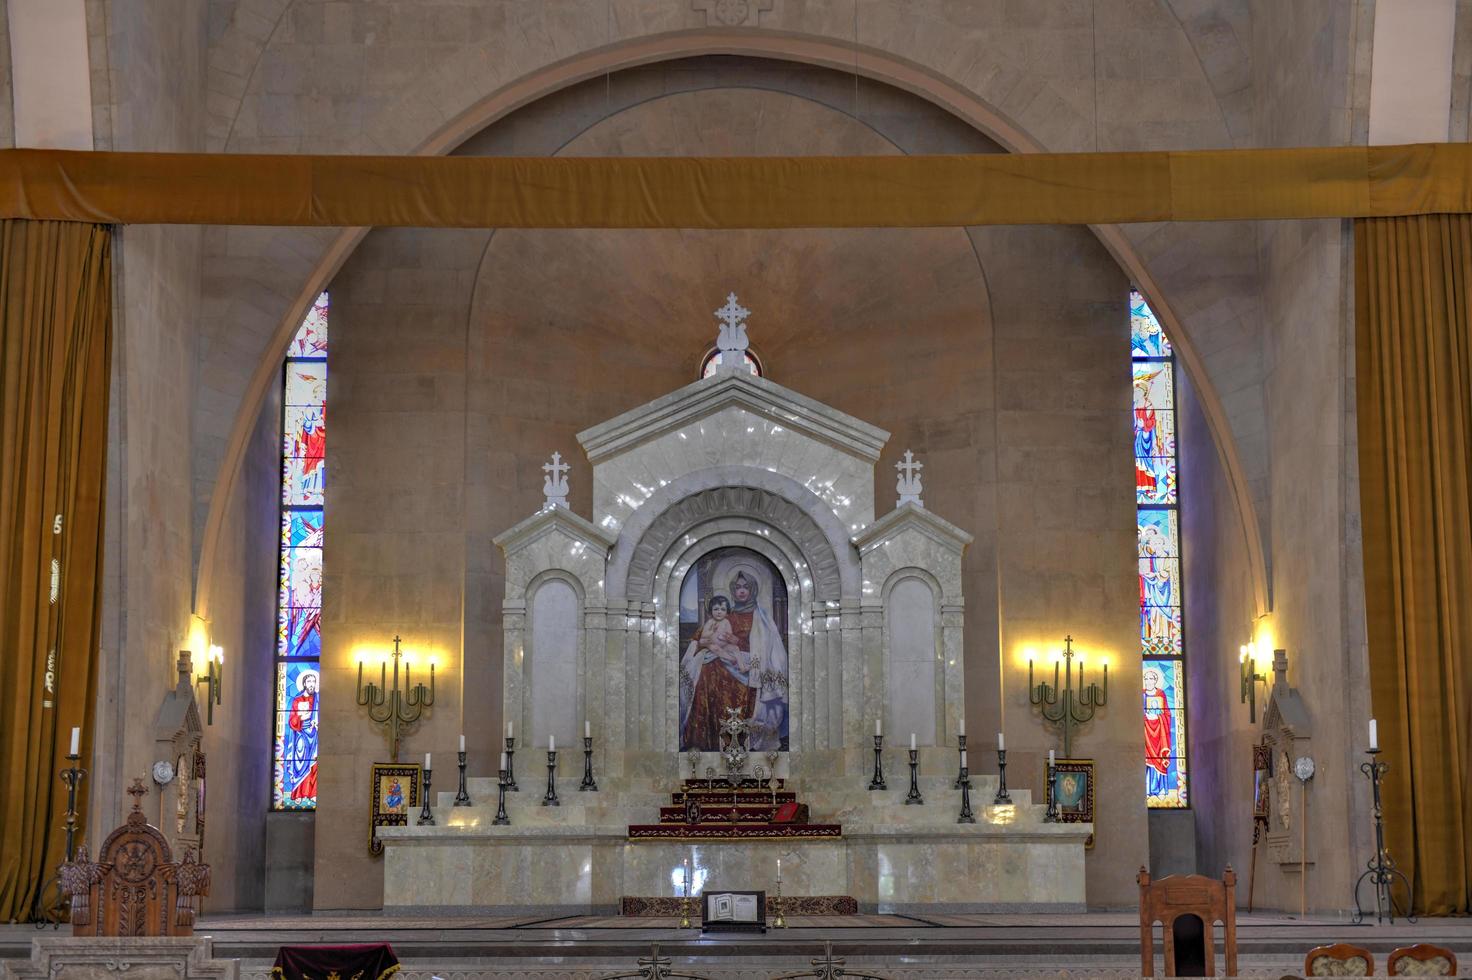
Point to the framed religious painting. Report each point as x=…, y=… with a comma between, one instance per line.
x=1262, y=782
x=392, y=796
x=1073, y=789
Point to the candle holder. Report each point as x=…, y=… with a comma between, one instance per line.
x=913, y=798
x=960, y=754
x=778, y=922
x=967, y=816
x=397, y=710
x=1002, y=798
x=213, y=679
x=501, y=819
x=462, y=798
x=426, y=815
x=685, y=906
x=587, y=784
x=1380, y=871
x=550, y=799
x=53, y=913
x=1051, y=816
x=1074, y=707
x=511, y=765
x=878, y=781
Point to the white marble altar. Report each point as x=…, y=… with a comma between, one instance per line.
x=872, y=621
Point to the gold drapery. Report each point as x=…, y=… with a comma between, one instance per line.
x=1413, y=311
x=739, y=192
x=55, y=337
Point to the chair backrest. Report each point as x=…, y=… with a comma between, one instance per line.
x=1339, y=960
x=1206, y=900
x=1422, y=960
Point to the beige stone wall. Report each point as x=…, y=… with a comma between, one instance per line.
x=461, y=360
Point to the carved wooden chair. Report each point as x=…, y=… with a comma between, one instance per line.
x=134, y=888
x=1188, y=908
x=1339, y=960
x=1422, y=960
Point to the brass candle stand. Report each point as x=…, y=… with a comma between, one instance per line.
x=1381, y=871
x=685, y=903
x=778, y=922
x=397, y=709
x=1073, y=707
x=878, y=781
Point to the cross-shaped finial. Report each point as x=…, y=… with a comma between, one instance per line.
x=908, y=484
x=137, y=792
x=555, y=486
x=732, y=341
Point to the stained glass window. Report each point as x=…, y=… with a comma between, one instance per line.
x=1157, y=520
x=297, y=679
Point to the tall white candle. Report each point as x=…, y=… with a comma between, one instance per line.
x=587, y=729
x=912, y=741
x=1001, y=742
x=551, y=743
x=779, y=869
x=462, y=743
x=1050, y=757
x=426, y=760
x=963, y=727
x=77, y=739
x=878, y=727
x=503, y=761
x=508, y=729
x=1374, y=736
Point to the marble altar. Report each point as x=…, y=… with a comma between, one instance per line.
x=734, y=552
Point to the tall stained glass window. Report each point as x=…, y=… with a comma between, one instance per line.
x=299, y=592
x=1157, y=519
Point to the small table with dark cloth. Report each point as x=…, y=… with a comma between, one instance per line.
x=359, y=961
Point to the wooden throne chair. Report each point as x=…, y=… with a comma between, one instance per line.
x=1188, y=908
x=134, y=888
x=1422, y=960
x=1339, y=960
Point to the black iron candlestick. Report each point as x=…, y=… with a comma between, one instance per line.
x=1381, y=871
x=550, y=799
x=72, y=775
x=913, y=798
x=960, y=754
x=1001, y=797
x=462, y=798
x=426, y=815
x=1051, y=816
x=587, y=784
x=501, y=818
x=511, y=765
x=966, y=815
x=878, y=781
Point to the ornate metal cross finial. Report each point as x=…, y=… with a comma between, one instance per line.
x=554, y=487
x=732, y=342
x=908, y=485
x=735, y=730
x=137, y=791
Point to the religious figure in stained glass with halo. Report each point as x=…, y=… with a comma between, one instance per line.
x=1164, y=748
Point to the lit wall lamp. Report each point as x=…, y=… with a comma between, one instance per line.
x=213, y=676
x=397, y=708
x=1249, y=679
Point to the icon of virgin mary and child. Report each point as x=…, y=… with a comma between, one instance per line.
x=736, y=655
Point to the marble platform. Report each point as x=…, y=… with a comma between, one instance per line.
x=576, y=858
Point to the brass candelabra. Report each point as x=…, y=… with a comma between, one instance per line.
x=397, y=709
x=1073, y=707
x=213, y=679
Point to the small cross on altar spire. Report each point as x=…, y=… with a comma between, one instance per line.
x=137, y=792
x=732, y=341
x=908, y=485
x=554, y=487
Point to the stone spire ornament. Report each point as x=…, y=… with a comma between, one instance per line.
x=732, y=342
x=554, y=487
x=908, y=484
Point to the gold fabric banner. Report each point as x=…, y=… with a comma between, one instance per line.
x=735, y=192
x=55, y=338
x=1413, y=311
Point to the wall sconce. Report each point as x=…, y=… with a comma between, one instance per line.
x=1067, y=706
x=398, y=710
x=1249, y=679
x=213, y=677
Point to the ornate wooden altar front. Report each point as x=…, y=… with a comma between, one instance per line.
x=135, y=888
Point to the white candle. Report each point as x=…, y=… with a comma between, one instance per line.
x=503, y=761
x=963, y=758
x=963, y=727
x=587, y=729
x=508, y=729
x=462, y=743
x=779, y=869
x=77, y=738
x=878, y=727
x=912, y=741
x=1050, y=757
x=426, y=760
x=551, y=743
x=1001, y=742
x=1374, y=737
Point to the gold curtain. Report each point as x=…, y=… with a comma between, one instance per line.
x=1413, y=311
x=735, y=192
x=55, y=337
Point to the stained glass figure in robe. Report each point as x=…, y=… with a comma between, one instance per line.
x=1147, y=339
x=297, y=709
x=1165, y=733
x=1155, y=438
x=1159, y=576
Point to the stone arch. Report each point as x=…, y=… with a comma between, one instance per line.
x=878, y=65
x=722, y=491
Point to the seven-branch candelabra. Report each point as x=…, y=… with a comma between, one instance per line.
x=397, y=709
x=1065, y=706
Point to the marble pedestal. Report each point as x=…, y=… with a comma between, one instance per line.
x=115, y=958
x=577, y=858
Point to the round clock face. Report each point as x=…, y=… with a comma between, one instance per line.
x=1303, y=768
x=163, y=772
